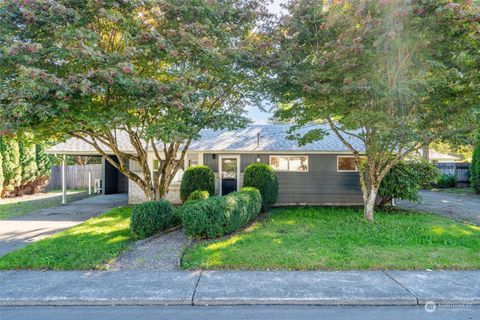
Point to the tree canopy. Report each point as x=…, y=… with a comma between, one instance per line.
x=395, y=74
x=159, y=70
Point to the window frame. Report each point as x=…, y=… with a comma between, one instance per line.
x=338, y=169
x=289, y=155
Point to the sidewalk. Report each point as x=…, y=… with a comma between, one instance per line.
x=238, y=288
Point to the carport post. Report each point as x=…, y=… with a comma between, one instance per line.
x=89, y=183
x=64, y=179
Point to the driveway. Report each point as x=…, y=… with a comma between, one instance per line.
x=19, y=231
x=461, y=207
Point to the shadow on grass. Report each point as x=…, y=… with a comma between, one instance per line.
x=87, y=246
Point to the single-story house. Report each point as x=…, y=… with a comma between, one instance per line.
x=318, y=173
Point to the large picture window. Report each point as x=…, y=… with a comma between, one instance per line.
x=346, y=164
x=289, y=163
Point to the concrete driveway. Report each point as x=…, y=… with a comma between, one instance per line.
x=19, y=231
x=461, y=207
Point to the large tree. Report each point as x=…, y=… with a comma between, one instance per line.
x=158, y=71
x=394, y=74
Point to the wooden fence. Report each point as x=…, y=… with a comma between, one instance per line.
x=459, y=170
x=77, y=176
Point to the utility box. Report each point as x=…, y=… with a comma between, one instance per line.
x=98, y=186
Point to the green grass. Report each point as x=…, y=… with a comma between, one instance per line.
x=339, y=239
x=89, y=245
x=14, y=209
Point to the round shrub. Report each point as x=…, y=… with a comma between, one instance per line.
x=405, y=179
x=197, y=178
x=447, y=181
x=262, y=177
x=198, y=195
x=151, y=217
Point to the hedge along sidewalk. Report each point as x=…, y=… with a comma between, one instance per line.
x=89, y=245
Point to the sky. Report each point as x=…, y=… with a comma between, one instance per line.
x=258, y=116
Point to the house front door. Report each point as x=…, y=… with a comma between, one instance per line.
x=229, y=174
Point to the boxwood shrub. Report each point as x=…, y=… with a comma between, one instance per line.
x=262, y=177
x=197, y=178
x=218, y=215
x=151, y=217
x=198, y=195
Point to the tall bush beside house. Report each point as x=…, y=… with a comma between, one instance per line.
x=12, y=170
x=1, y=172
x=217, y=216
x=28, y=163
x=151, y=217
x=262, y=177
x=197, y=178
x=43, y=160
x=475, y=167
x=405, y=180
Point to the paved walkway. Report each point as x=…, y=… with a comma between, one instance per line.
x=38, y=196
x=19, y=231
x=239, y=288
x=461, y=207
x=161, y=253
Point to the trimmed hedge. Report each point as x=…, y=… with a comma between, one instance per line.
x=262, y=177
x=198, y=195
x=151, y=217
x=197, y=178
x=217, y=215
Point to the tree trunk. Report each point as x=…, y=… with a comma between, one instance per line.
x=369, y=201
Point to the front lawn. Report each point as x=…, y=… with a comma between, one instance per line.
x=339, y=239
x=89, y=245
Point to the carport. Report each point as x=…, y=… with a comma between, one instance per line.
x=112, y=181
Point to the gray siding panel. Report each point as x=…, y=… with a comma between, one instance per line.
x=322, y=184
x=210, y=162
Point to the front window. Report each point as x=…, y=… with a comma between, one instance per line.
x=346, y=164
x=289, y=163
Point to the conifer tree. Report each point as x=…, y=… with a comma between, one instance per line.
x=12, y=171
x=475, y=166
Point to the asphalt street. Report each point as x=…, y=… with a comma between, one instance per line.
x=439, y=312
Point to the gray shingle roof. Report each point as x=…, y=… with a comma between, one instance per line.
x=272, y=138
x=77, y=146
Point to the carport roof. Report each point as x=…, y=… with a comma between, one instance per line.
x=271, y=138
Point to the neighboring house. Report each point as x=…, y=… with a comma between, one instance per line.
x=322, y=172
x=434, y=156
